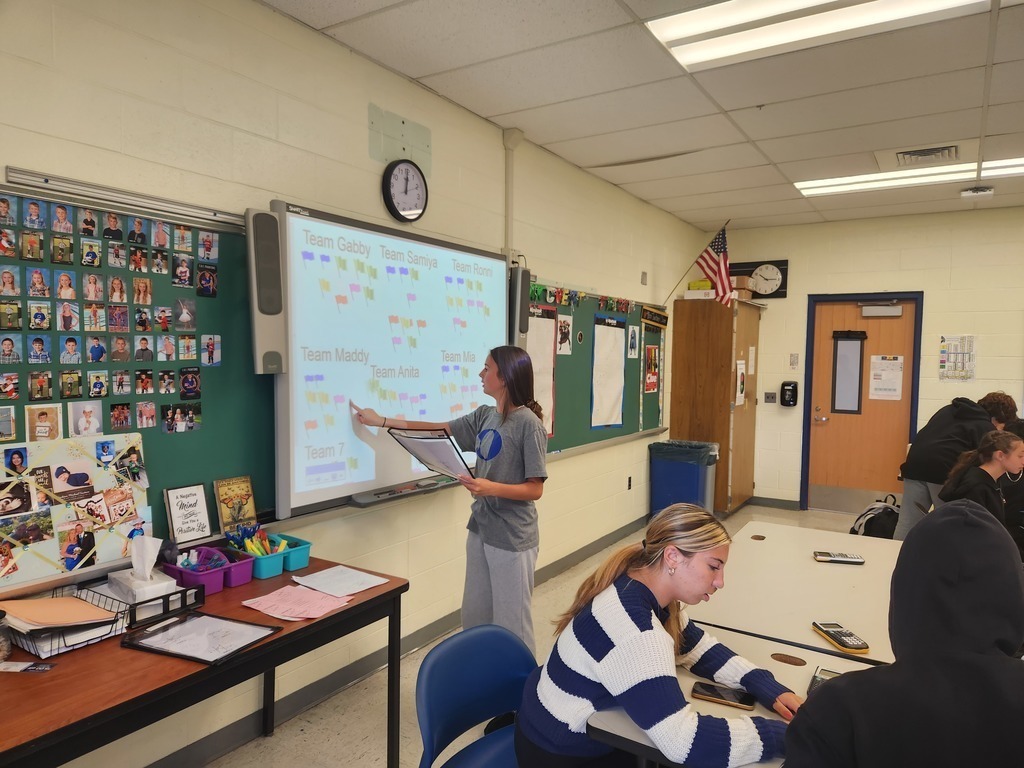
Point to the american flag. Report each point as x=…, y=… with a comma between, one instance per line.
x=714, y=263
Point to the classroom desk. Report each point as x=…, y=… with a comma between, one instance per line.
x=774, y=588
x=97, y=694
x=614, y=727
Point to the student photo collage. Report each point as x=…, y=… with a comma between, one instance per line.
x=98, y=306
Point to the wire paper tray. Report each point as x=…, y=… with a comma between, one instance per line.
x=53, y=640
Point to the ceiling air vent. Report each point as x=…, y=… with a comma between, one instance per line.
x=912, y=158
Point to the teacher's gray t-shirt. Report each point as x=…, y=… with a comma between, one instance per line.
x=509, y=452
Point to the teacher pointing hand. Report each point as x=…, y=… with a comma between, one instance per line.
x=510, y=444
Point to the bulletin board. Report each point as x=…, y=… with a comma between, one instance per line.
x=175, y=293
x=577, y=317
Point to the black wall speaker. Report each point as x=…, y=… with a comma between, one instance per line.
x=518, y=305
x=266, y=291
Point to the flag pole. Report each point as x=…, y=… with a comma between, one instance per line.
x=665, y=302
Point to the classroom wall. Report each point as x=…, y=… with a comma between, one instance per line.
x=969, y=266
x=227, y=104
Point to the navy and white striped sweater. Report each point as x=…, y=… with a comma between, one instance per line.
x=616, y=652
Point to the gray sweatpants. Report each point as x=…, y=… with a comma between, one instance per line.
x=499, y=586
x=918, y=498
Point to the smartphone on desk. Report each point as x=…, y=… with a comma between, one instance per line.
x=719, y=695
x=837, y=557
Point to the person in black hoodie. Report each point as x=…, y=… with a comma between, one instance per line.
x=977, y=472
x=954, y=696
x=954, y=428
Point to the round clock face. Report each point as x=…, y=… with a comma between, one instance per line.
x=766, y=279
x=404, y=188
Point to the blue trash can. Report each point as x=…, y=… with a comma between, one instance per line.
x=681, y=471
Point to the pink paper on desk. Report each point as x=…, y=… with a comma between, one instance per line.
x=295, y=603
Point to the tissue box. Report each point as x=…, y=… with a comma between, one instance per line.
x=125, y=586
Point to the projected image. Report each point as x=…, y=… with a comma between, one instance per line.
x=396, y=325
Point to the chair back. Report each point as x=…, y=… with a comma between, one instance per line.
x=467, y=679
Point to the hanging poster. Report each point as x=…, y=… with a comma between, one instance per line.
x=540, y=344
x=957, y=358
x=886, y=377
x=651, y=367
x=564, y=345
x=609, y=372
x=633, y=348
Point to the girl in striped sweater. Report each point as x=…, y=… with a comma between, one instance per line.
x=618, y=645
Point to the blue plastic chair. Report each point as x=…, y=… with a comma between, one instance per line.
x=465, y=680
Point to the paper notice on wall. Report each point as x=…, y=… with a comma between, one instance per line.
x=886, y=377
x=741, y=381
x=957, y=358
x=752, y=360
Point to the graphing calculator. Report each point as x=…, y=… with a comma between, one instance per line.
x=820, y=676
x=837, y=557
x=840, y=637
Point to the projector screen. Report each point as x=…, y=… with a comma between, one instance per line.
x=385, y=319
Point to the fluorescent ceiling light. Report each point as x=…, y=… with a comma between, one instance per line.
x=688, y=38
x=911, y=177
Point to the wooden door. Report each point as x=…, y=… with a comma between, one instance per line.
x=855, y=458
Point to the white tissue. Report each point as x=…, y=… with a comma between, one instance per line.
x=144, y=552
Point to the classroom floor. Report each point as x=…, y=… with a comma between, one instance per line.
x=347, y=729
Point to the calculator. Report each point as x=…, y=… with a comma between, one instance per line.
x=840, y=637
x=837, y=557
x=820, y=676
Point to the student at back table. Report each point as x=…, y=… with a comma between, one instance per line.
x=955, y=694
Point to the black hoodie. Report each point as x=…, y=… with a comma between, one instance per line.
x=975, y=484
x=954, y=428
x=954, y=697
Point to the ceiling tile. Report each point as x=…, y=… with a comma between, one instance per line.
x=906, y=53
x=699, y=202
x=915, y=131
x=1007, y=82
x=648, y=104
x=323, y=13
x=787, y=220
x=762, y=176
x=432, y=36
x=686, y=164
x=1010, y=34
x=907, y=98
x=650, y=142
x=606, y=61
x=830, y=167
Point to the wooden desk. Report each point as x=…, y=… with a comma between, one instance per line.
x=774, y=588
x=97, y=694
x=614, y=726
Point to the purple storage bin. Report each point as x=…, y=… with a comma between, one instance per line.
x=239, y=572
x=212, y=580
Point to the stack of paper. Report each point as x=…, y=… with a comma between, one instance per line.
x=54, y=612
x=340, y=581
x=296, y=603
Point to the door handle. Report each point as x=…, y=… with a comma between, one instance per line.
x=821, y=419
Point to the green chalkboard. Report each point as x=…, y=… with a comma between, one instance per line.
x=231, y=429
x=573, y=372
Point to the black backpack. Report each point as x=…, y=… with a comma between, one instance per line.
x=878, y=519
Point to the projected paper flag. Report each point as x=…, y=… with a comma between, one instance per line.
x=462, y=281
x=338, y=400
x=403, y=271
x=325, y=258
x=339, y=299
x=420, y=324
x=368, y=293
x=323, y=398
x=360, y=266
x=412, y=341
x=451, y=302
x=479, y=286
x=415, y=273
x=307, y=256
x=445, y=369
x=403, y=396
x=407, y=322
x=328, y=420
x=341, y=263
x=448, y=279
x=373, y=386
x=393, y=319
x=353, y=462
x=410, y=298
x=310, y=425
x=372, y=271
x=325, y=286
x=310, y=397
x=389, y=270
x=395, y=341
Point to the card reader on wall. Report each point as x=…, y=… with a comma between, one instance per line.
x=788, y=394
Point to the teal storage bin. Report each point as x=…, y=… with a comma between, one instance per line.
x=268, y=566
x=296, y=554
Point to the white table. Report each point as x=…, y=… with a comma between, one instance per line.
x=614, y=726
x=774, y=588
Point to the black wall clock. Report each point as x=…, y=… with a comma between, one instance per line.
x=404, y=188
